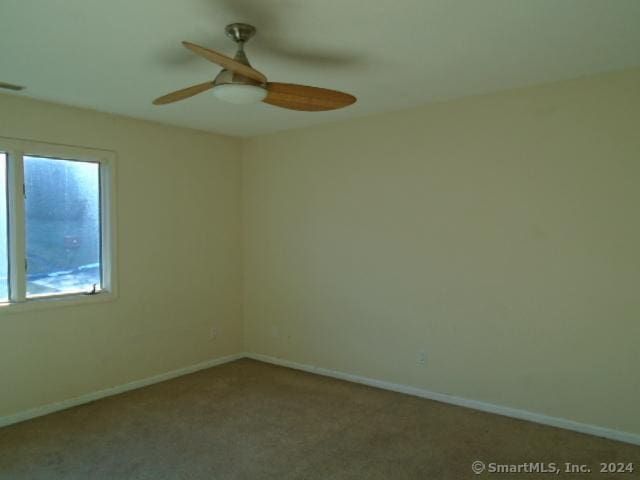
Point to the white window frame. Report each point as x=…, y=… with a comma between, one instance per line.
x=16, y=150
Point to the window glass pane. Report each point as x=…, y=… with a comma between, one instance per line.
x=4, y=258
x=62, y=209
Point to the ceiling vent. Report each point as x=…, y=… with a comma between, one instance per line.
x=10, y=86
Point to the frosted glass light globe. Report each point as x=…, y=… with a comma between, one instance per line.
x=239, y=93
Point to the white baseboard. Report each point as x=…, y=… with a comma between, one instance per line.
x=107, y=392
x=618, y=435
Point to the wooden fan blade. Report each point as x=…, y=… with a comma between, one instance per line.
x=226, y=62
x=304, y=98
x=184, y=93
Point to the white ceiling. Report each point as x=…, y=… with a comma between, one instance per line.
x=118, y=55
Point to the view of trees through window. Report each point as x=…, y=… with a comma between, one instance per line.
x=62, y=211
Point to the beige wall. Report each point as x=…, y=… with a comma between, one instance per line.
x=499, y=233
x=178, y=196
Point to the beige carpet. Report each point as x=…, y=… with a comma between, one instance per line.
x=250, y=420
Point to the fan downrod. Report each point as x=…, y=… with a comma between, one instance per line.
x=240, y=32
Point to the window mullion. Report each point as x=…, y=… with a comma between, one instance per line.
x=17, y=237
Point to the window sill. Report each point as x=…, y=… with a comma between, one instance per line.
x=56, y=302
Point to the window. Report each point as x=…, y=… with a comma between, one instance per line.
x=55, y=222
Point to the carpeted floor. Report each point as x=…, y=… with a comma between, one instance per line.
x=250, y=420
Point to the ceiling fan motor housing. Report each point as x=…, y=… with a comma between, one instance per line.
x=239, y=33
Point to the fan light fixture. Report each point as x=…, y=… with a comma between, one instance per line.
x=239, y=82
x=239, y=93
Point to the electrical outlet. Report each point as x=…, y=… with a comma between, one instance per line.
x=213, y=333
x=422, y=358
x=275, y=332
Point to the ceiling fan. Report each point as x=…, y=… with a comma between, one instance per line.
x=238, y=82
